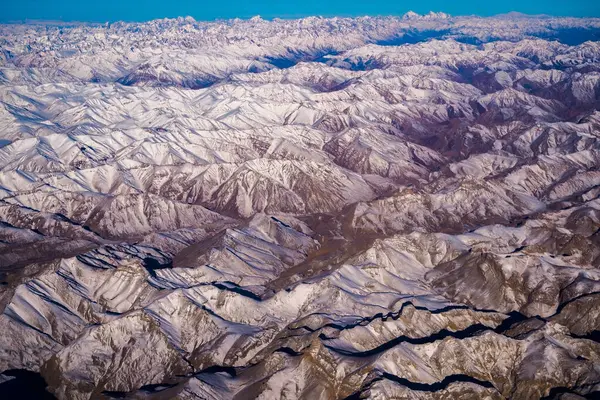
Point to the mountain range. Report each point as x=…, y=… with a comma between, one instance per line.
x=322, y=208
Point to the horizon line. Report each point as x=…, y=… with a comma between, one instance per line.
x=516, y=14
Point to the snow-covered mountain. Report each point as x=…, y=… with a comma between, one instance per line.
x=303, y=209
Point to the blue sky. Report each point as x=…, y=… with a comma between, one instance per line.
x=138, y=10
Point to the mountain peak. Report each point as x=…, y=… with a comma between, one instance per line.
x=411, y=15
